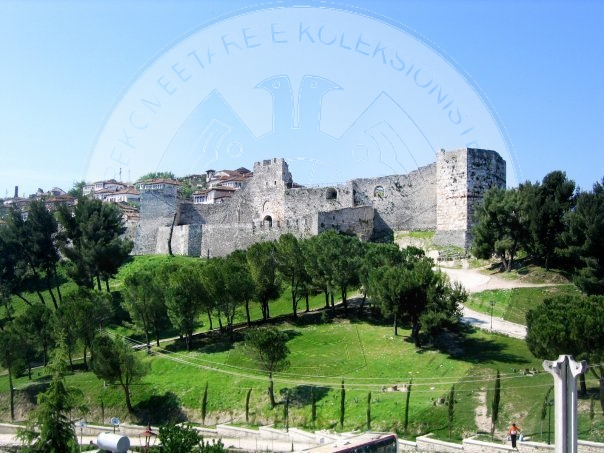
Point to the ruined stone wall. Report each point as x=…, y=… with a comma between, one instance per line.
x=440, y=196
x=357, y=221
x=401, y=202
x=308, y=201
x=186, y=240
x=220, y=240
x=156, y=211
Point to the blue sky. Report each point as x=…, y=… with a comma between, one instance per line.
x=65, y=63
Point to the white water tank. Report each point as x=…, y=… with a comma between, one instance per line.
x=115, y=443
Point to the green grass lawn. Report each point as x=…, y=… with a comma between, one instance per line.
x=513, y=304
x=366, y=356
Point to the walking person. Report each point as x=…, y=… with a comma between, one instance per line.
x=513, y=431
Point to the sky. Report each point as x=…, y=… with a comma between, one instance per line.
x=75, y=75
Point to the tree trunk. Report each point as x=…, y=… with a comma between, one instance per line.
x=12, y=394
x=157, y=337
x=271, y=393
x=307, y=302
x=395, y=325
x=294, y=305
x=210, y=319
x=98, y=282
x=127, y=395
x=51, y=292
x=107, y=285
x=326, y=298
x=602, y=392
x=23, y=299
x=85, y=361
x=344, y=300
x=247, y=313
x=57, y=284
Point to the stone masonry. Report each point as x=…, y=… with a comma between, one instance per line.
x=441, y=197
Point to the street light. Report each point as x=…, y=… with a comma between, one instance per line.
x=550, y=403
x=492, y=305
x=149, y=438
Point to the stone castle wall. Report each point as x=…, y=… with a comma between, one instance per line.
x=401, y=202
x=462, y=178
x=440, y=196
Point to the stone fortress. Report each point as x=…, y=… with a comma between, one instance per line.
x=440, y=197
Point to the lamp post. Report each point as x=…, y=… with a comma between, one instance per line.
x=148, y=436
x=550, y=403
x=492, y=306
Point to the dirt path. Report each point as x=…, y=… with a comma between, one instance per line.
x=475, y=282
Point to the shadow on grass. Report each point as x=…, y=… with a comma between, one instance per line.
x=302, y=395
x=32, y=390
x=160, y=410
x=482, y=350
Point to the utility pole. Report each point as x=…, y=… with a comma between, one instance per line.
x=565, y=371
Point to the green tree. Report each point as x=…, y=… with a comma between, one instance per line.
x=77, y=190
x=546, y=210
x=157, y=175
x=229, y=285
x=185, y=438
x=30, y=243
x=88, y=311
x=10, y=354
x=375, y=255
x=342, y=260
x=35, y=330
x=318, y=274
x=262, y=261
x=49, y=428
x=114, y=361
x=414, y=290
x=144, y=301
x=583, y=240
x=290, y=261
x=501, y=228
x=569, y=325
x=185, y=296
x=268, y=347
x=92, y=241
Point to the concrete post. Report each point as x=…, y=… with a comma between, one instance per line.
x=565, y=371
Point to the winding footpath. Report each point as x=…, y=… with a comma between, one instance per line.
x=475, y=282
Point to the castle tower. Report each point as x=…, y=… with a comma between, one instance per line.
x=267, y=189
x=462, y=178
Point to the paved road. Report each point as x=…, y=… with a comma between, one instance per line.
x=475, y=282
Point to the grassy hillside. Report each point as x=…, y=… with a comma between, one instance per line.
x=324, y=351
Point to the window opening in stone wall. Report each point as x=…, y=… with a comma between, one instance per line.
x=268, y=221
x=378, y=192
x=331, y=194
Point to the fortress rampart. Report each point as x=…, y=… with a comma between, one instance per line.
x=441, y=197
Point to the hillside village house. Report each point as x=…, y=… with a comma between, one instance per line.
x=102, y=189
